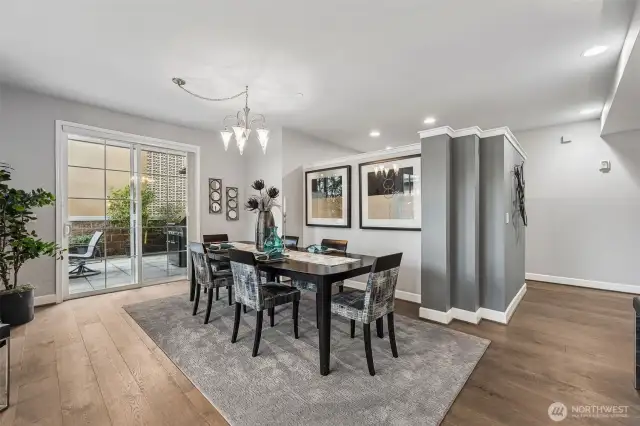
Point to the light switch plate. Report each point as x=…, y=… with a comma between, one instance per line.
x=506, y=217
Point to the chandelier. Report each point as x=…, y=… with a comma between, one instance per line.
x=242, y=123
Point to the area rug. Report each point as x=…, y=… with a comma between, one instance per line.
x=283, y=385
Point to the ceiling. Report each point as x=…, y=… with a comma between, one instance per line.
x=360, y=64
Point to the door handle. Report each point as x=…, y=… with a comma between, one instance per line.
x=67, y=229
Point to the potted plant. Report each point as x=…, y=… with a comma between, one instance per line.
x=263, y=203
x=18, y=244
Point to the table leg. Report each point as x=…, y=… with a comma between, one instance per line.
x=324, y=290
x=192, y=284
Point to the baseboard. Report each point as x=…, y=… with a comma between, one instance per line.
x=577, y=282
x=474, y=317
x=44, y=300
x=400, y=294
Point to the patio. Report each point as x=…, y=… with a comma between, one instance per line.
x=116, y=272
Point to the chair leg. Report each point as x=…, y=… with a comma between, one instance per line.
x=367, y=348
x=295, y=318
x=230, y=295
x=341, y=289
x=392, y=334
x=317, y=311
x=380, y=327
x=217, y=293
x=195, y=302
x=271, y=314
x=209, y=303
x=205, y=290
x=244, y=308
x=236, y=323
x=256, y=340
x=353, y=328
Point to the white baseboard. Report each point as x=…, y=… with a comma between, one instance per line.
x=400, y=294
x=44, y=300
x=474, y=317
x=577, y=282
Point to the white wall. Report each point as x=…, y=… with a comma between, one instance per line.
x=373, y=242
x=583, y=224
x=27, y=142
x=298, y=149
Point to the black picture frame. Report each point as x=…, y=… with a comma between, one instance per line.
x=381, y=161
x=348, y=197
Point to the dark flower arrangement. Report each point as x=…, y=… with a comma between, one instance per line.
x=264, y=201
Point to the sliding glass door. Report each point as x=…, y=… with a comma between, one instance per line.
x=126, y=215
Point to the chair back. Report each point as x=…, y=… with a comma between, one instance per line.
x=201, y=263
x=380, y=292
x=246, y=278
x=290, y=241
x=215, y=238
x=94, y=241
x=340, y=245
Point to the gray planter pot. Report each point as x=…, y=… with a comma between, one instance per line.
x=265, y=221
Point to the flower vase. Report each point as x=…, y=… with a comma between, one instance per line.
x=264, y=223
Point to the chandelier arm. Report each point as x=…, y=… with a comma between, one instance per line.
x=258, y=117
x=224, y=120
x=180, y=83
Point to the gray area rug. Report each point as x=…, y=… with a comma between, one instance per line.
x=283, y=385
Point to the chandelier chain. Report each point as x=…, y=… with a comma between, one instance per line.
x=180, y=83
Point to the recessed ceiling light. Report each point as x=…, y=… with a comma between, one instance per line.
x=595, y=50
x=429, y=120
x=389, y=147
x=588, y=111
x=374, y=133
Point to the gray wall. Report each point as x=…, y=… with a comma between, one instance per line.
x=436, y=261
x=465, y=286
x=27, y=141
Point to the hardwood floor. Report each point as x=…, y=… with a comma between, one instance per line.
x=86, y=362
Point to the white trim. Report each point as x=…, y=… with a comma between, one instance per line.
x=118, y=288
x=400, y=294
x=356, y=158
x=87, y=218
x=504, y=317
x=61, y=197
x=475, y=130
x=600, y=285
x=474, y=317
x=45, y=300
x=437, y=316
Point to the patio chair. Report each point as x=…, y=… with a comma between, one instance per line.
x=79, y=254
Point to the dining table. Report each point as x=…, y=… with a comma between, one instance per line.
x=323, y=269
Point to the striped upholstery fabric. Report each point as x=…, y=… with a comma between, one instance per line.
x=250, y=292
x=309, y=286
x=374, y=302
x=205, y=276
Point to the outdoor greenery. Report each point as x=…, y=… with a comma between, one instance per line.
x=18, y=244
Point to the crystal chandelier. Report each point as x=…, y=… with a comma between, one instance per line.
x=241, y=124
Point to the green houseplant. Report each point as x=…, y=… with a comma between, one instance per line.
x=18, y=245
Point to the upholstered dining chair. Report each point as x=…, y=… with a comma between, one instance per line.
x=372, y=304
x=215, y=238
x=250, y=291
x=339, y=245
x=290, y=241
x=207, y=278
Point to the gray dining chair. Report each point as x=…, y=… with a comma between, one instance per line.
x=206, y=277
x=372, y=304
x=250, y=291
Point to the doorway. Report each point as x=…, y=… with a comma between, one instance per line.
x=124, y=203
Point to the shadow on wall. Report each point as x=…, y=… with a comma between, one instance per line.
x=626, y=147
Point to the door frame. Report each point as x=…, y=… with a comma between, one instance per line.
x=62, y=129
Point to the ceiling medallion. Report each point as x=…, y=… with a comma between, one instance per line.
x=242, y=123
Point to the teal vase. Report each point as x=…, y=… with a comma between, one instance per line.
x=273, y=241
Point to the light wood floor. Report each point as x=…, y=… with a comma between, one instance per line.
x=86, y=362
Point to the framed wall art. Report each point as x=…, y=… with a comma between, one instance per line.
x=215, y=196
x=328, y=197
x=390, y=194
x=232, y=203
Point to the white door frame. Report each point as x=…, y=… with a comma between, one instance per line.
x=63, y=128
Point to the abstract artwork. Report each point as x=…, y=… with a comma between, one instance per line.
x=328, y=197
x=215, y=196
x=232, y=203
x=390, y=194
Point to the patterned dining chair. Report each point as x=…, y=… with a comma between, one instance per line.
x=290, y=241
x=251, y=292
x=338, y=245
x=207, y=278
x=372, y=304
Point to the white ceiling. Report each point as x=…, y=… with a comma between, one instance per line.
x=361, y=64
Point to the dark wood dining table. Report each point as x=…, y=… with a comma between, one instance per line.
x=323, y=276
